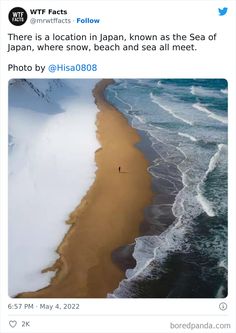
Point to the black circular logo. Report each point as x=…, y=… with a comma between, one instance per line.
x=17, y=16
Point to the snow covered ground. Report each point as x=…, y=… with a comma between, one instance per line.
x=52, y=141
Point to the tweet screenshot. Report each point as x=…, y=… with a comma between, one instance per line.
x=117, y=166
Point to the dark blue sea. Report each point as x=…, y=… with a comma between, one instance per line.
x=182, y=248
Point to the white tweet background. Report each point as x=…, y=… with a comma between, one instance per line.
x=212, y=60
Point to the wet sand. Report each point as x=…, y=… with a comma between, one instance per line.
x=108, y=217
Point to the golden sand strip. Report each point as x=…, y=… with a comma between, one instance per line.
x=110, y=214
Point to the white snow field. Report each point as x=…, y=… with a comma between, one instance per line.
x=52, y=144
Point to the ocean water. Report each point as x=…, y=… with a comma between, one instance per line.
x=182, y=250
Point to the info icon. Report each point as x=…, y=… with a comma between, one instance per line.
x=17, y=16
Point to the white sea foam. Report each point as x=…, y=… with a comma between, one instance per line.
x=156, y=101
x=202, y=107
x=149, y=248
x=224, y=91
x=221, y=292
x=223, y=264
x=206, y=205
x=51, y=167
x=122, y=101
x=192, y=138
x=150, y=252
x=192, y=90
x=215, y=159
x=204, y=92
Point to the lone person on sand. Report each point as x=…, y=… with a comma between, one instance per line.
x=119, y=168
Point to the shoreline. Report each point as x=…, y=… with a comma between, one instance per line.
x=108, y=217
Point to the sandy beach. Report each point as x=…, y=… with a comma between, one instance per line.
x=110, y=214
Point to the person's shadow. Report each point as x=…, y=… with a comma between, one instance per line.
x=119, y=170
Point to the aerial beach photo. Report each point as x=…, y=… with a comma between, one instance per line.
x=118, y=188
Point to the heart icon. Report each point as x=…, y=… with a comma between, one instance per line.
x=13, y=323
